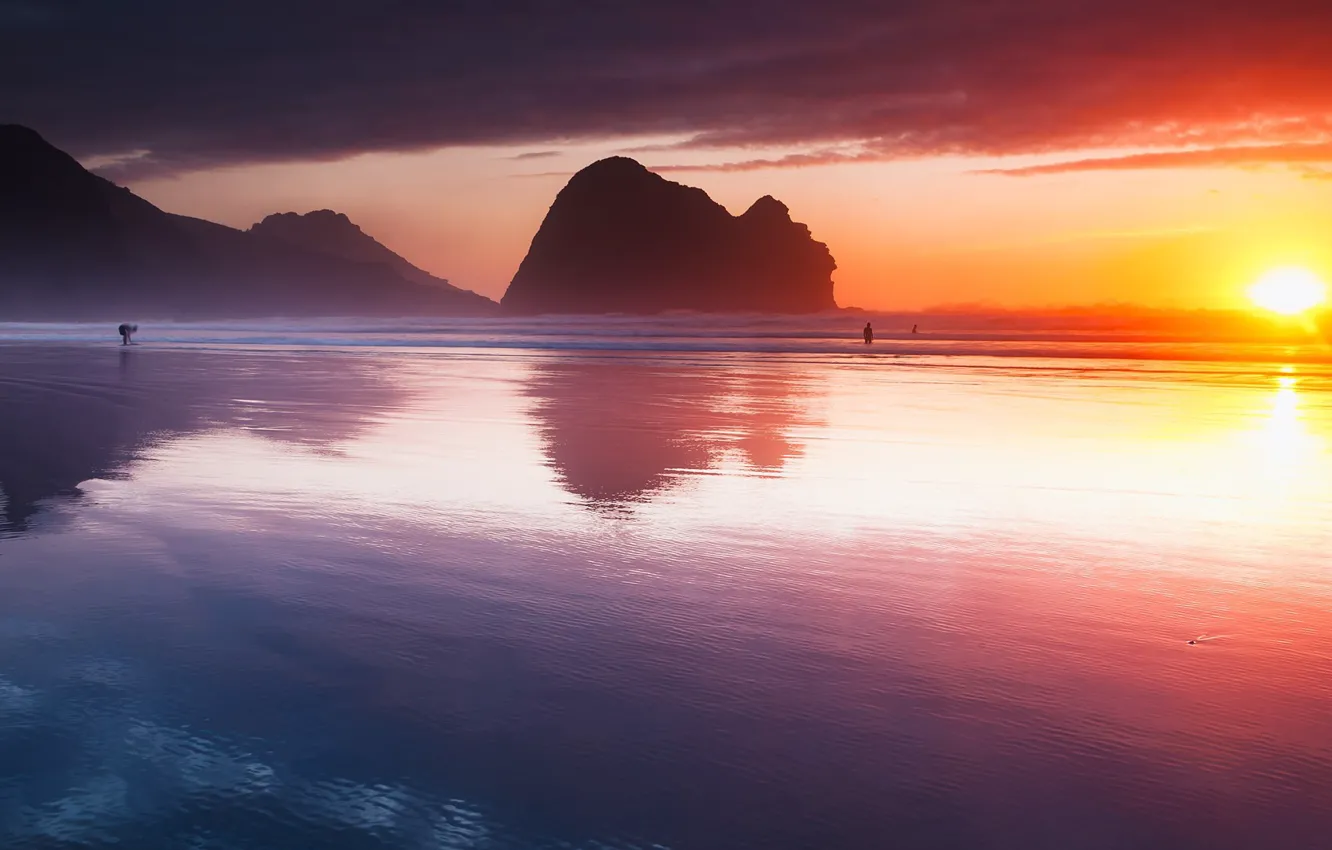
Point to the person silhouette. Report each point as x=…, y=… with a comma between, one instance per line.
x=913, y=328
x=126, y=330
x=869, y=333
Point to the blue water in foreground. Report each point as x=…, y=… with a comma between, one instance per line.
x=284, y=587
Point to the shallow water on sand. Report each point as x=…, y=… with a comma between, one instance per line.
x=373, y=597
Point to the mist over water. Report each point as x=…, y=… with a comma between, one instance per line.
x=1200, y=336
x=663, y=583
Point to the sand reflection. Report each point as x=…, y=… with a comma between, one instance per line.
x=77, y=414
x=619, y=431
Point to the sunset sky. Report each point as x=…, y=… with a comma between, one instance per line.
x=1014, y=153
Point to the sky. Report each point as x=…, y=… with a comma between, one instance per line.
x=1020, y=154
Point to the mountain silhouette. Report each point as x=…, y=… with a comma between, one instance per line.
x=620, y=238
x=618, y=432
x=76, y=246
x=334, y=234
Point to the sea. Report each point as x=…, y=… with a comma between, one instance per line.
x=685, y=583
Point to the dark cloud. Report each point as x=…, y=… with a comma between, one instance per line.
x=19, y=15
x=535, y=155
x=200, y=84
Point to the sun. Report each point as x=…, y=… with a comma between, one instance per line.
x=1289, y=291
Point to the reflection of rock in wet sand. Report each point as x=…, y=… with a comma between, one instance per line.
x=619, y=431
x=73, y=414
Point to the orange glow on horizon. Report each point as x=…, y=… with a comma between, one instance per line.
x=906, y=235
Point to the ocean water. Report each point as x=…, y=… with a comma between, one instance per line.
x=642, y=584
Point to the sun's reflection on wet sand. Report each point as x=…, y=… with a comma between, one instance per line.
x=1285, y=442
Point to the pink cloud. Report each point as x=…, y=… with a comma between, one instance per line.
x=1193, y=158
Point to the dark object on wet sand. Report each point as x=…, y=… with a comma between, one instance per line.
x=620, y=239
x=126, y=331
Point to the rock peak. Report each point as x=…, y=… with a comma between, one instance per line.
x=614, y=165
x=13, y=134
x=323, y=219
x=768, y=207
x=23, y=148
x=620, y=238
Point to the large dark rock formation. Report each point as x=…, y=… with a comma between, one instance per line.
x=621, y=239
x=75, y=246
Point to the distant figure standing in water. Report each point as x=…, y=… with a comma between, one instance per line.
x=869, y=333
x=913, y=328
x=126, y=330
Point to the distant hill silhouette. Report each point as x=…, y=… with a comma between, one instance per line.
x=76, y=246
x=621, y=239
x=334, y=234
